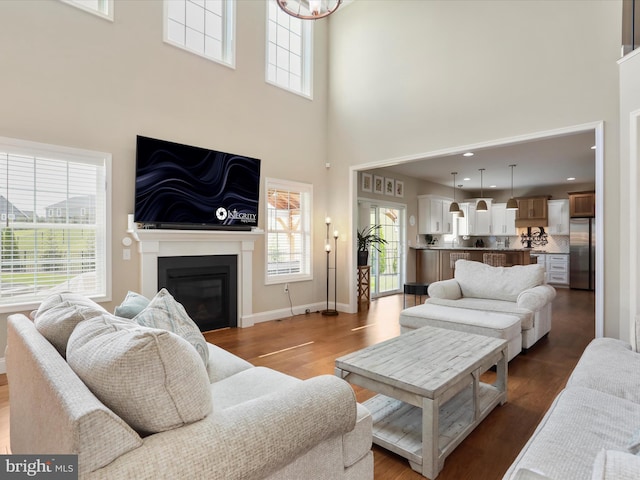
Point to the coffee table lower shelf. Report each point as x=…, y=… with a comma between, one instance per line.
x=397, y=426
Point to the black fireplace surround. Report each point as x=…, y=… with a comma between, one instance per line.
x=207, y=287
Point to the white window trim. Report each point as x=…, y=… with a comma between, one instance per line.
x=230, y=24
x=24, y=147
x=307, y=56
x=106, y=16
x=293, y=186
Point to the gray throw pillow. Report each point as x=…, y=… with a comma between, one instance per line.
x=153, y=379
x=58, y=315
x=166, y=313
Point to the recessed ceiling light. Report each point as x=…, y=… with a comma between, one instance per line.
x=466, y=179
x=493, y=186
x=571, y=179
x=467, y=154
x=593, y=148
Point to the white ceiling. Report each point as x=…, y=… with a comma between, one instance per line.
x=541, y=162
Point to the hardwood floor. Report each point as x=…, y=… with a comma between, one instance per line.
x=307, y=345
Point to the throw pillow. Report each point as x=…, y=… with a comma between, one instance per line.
x=166, y=313
x=153, y=379
x=132, y=305
x=59, y=314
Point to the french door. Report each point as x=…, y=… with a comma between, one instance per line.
x=387, y=266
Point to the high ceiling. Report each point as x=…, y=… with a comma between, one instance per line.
x=542, y=162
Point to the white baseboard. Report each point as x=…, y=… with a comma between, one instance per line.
x=3, y=365
x=251, y=320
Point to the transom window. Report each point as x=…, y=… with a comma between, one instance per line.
x=53, y=236
x=288, y=233
x=203, y=27
x=288, y=51
x=102, y=8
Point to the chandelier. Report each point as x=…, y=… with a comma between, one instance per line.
x=309, y=9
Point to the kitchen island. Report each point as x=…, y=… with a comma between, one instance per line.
x=434, y=263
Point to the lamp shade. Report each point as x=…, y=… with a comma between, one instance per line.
x=454, y=208
x=481, y=206
x=512, y=204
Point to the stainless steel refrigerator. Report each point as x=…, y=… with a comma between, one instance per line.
x=582, y=250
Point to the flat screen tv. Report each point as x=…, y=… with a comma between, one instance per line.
x=180, y=186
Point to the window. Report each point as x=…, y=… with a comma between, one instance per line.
x=46, y=244
x=203, y=27
x=288, y=242
x=288, y=51
x=102, y=8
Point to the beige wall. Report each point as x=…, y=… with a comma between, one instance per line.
x=629, y=186
x=71, y=78
x=435, y=75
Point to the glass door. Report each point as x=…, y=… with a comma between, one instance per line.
x=387, y=266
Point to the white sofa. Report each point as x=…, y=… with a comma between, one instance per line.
x=489, y=300
x=226, y=420
x=592, y=429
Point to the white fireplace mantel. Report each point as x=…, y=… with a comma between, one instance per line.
x=154, y=243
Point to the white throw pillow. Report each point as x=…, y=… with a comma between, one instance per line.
x=478, y=280
x=59, y=314
x=164, y=312
x=153, y=379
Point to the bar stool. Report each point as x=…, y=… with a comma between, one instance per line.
x=494, y=259
x=416, y=289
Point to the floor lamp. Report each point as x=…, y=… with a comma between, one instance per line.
x=327, y=248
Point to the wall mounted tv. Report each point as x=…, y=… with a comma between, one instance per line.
x=180, y=186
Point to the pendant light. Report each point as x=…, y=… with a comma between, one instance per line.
x=512, y=204
x=481, y=206
x=454, y=207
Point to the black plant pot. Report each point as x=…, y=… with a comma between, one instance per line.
x=363, y=258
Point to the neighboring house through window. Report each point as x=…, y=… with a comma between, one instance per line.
x=203, y=27
x=288, y=236
x=54, y=231
x=288, y=50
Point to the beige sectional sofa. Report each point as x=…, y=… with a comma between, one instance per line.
x=134, y=401
x=592, y=429
x=512, y=303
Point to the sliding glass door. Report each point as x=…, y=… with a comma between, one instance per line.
x=387, y=266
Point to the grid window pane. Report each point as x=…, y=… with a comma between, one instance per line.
x=209, y=27
x=289, y=64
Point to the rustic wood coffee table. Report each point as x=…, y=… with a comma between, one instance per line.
x=431, y=396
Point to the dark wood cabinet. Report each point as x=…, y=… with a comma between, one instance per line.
x=532, y=212
x=582, y=204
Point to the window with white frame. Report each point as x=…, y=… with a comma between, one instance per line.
x=53, y=235
x=288, y=50
x=288, y=232
x=102, y=8
x=203, y=27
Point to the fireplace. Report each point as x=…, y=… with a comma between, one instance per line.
x=205, y=285
x=156, y=244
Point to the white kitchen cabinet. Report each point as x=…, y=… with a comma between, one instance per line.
x=558, y=211
x=503, y=221
x=557, y=266
x=433, y=215
x=474, y=222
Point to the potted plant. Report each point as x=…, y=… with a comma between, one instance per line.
x=369, y=237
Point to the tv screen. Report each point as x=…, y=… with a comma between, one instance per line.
x=180, y=186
